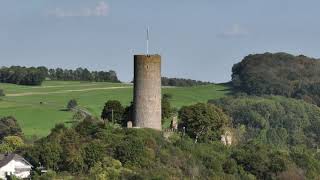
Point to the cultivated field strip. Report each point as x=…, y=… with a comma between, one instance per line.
x=64, y=91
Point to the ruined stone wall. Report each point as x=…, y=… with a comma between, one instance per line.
x=147, y=91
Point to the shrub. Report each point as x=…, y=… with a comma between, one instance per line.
x=166, y=109
x=131, y=151
x=113, y=111
x=72, y=104
x=2, y=92
x=14, y=142
x=9, y=127
x=204, y=122
x=78, y=115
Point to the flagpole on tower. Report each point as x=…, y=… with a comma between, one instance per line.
x=147, y=40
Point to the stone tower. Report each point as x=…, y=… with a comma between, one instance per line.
x=147, y=91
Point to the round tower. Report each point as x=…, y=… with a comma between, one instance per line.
x=147, y=91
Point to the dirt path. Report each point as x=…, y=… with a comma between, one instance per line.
x=58, y=86
x=64, y=91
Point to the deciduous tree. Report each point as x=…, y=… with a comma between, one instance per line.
x=205, y=122
x=72, y=104
x=113, y=111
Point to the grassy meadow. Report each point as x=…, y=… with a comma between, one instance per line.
x=39, y=108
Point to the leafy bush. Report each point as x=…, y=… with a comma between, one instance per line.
x=2, y=92
x=9, y=127
x=130, y=151
x=72, y=104
x=127, y=114
x=113, y=111
x=205, y=122
x=166, y=109
x=108, y=168
x=261, y=161
x=79, y=115
x=11, y=144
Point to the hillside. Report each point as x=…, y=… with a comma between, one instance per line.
x=39, y=108
x=279, y=74
x=274, y=120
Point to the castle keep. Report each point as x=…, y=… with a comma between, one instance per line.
x=147, y=91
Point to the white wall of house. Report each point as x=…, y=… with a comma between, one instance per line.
x=18, y=168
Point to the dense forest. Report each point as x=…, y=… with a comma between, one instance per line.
x=181, y=82
x=94, y=151
x=274, y=120
x=273, y=138
x=36, y=75
x=279, y=74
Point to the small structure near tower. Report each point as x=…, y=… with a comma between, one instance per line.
x=129, y=124
x=147, y=91
x=174, y=123
x=226, y=138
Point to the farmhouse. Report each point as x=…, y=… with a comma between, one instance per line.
x=13, y=164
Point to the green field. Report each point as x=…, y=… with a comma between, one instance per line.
x=35, y=118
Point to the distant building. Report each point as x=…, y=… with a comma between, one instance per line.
x=13, y=164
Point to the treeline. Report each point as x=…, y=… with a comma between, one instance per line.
x=279, y=74
x=22, y=75
x=36, y=75
x=181, y=82
x=82, y=74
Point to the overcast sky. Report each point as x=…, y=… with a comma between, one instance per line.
x=198, y=39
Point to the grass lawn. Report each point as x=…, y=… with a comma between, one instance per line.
x=35, y=118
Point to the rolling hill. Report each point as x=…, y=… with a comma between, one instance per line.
x=39, y=108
